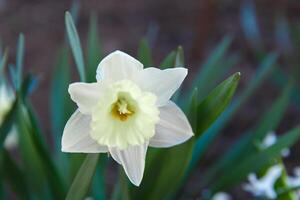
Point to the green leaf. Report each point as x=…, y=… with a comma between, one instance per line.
x=213, y=64
x=74, y=10
x=3, y=61
x=250, y=25
x=20, y=58
x=13, y=175
x=99, y=187
x=271, y=119
x=215, y=103
x=75, y=45
x=246, y=144
x=210, y=134
x=255, y=162
x=11, y=116
x=264, y=70
x=216, y=73
x=60, y=101
x=29, y=155
x=288, y=190
x=282, y=185
x=124, y=185
x=193, y=114
x=7, y=123
x=164, y=172
x=35, y=155
x=144, y=53
x=179, y=58
x=94, y=53
x=178, y=62
x=169, y=61
x=81, y=184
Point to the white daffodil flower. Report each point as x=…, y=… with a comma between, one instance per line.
x=6, y=101
x=264, y=187
x=221, y=196
x=125, y=111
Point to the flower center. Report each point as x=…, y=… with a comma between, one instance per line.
x=121, y=109
x=124, y=116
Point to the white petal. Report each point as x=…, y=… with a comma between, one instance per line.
x=118, y=66
x=11, y=141
x=85, y=95
x=133, y=161
x=163, y=83
x=173, y=127
x=76, y=137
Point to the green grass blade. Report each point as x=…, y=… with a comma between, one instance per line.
x=59, y=96
x=212, y=64
x=207, y=138
x=13, y=175
x=257, y=161
x=164, y=172
x=99, y=187
x=249, y=23
x=144, y=53
x=20, y=58
x=3, y=61
x=178, y=62
x=282, y=185
x=246, y=144
x=215, y=103
x=124, y=185
x=169, y=60
x=35, y=154
x=75, y=46
x=94, y=52
x=218, y=72
x=7, y=124
x=193, y=114
x=179, y=58
x=81, y=184
x=74, y=10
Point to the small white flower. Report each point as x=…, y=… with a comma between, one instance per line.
x=294, y=181
x=221, y=196
x=6, y=101
x=125, y=111
x=264, y=187
x=271, y=139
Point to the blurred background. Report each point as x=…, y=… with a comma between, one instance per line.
x=196, y=25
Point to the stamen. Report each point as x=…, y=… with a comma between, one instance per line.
x=122, y=110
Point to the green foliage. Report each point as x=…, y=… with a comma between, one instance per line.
x=20, y=56
x=3, y=60
x=207, y=103
x=208, y=137
x=261, y=159
x=249, y=142
x=215, y=103
x=75, y=45
x=94, y=50
x=60, y=102
x=281, y=184
x=144, y=53
x=83, y=179
x=13, y=175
